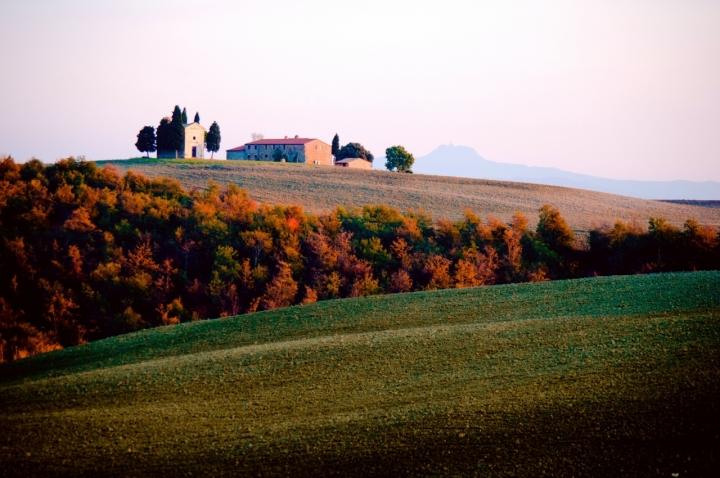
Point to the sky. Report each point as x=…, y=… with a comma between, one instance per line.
x=618, y=89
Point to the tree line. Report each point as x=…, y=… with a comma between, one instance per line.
x=397, y=158
x=170, y=136
x=87, y=253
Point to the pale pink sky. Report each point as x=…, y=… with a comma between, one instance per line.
x=627, y=90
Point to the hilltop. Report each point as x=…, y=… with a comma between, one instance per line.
x=611, y=376
x=321, y=189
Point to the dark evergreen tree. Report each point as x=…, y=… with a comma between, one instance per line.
x=164, y=144
x=335, y=145
x=184, y=116
x=212, y=139
x=177, y=132
x=146, y=141
x=197, y=118
x=354, y=150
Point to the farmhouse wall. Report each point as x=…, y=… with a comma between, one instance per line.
x=169, y=154
x=310, y=151
x=264, y=152
x=354, y=163
x=317, y=152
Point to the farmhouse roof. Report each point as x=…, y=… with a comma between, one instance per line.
x=293, y=141
x=284, y=141
x=348, y=160
x=192, y=124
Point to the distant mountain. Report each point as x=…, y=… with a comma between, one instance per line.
x=462, y=161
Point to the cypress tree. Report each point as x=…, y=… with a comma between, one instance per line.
x=335, y=145
x=212, y=139
x=177, y=132
x=164, y=144
x=197, y=118
x=184, y=116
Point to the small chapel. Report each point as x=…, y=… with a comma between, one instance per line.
x=194, y=141
x=194, y=144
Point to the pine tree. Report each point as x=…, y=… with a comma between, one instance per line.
x=212, y=140
x=146, y=140
x=335, y=145
x=184, y=116
x=177, y=132
x=197, y=118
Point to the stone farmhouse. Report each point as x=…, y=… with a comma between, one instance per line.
x=293, y=150
x=194, y=143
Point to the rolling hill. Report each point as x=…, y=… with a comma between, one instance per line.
x=462, y=161
x=593, y=377
x=320, y=189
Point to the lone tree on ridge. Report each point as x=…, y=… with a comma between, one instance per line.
x=397, y=158
x=146, y=141
x=212, y=139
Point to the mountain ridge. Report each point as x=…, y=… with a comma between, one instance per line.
x=464, y=161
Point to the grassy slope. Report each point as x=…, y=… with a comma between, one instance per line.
x=320, y=189
x=599, y=376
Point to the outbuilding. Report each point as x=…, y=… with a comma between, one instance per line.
x=354, y=163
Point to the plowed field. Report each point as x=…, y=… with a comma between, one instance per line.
x=320, y=189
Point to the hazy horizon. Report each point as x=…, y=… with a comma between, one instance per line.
x=600, y=88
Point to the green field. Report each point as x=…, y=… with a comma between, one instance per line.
x=321, y=189
x=613, y=376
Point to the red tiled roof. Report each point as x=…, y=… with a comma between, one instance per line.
x=278, y=142
x=283, y=141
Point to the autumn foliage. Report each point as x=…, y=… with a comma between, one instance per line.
x=86, y=253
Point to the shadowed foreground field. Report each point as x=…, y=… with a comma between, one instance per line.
x=615, y=376
x=321, y=189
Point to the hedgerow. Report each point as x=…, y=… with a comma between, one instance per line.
x=87, y=253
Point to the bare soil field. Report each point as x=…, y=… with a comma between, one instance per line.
x=694, y=202
x=611, y=376
x=319, y=189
